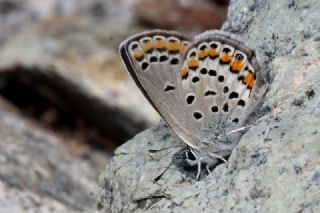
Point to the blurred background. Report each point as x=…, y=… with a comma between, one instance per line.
x=66, y=99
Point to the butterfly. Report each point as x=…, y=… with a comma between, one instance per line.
x=204, y=88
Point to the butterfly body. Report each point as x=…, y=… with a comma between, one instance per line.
x=204, y=88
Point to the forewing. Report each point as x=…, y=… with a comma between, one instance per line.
x=154, y=59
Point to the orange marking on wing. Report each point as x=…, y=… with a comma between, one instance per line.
x=160, y=44
x=138, y=54
x=184, y=72
x=213, y=53
x=202, y=54
x=173, y=46
x=249, y=80
x=148, y=46
x=193, y=63
x=225, y=58
x=237, y=65
x=183, y=48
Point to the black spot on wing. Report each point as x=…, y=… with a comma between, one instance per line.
x=221, y=78
x=163, y=58
x=214, y=109
x=169, y=88
x=212, y=73
x=190, y=99
x=174, y=61
x=195, y=79
x=233, y=95
x=144, y=65
x=197, y=115
x=241, y=103
x=209, y=92
x=225, y=107
x=153, y=59
x=203, y=71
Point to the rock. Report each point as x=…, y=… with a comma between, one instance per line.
x=183, y=15
x=268, y=30
x=15, y=14
x=76, y=66
x=275, y=166
x=38, y=172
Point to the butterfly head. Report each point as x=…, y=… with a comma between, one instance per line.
x=197, y=163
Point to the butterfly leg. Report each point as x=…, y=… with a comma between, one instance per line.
x=208, y=169
x=219, y=157
x=199, y=170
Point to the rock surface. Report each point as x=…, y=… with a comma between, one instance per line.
x=275, y=166
x=76, y=65
x=16, y=15
x=172, y=14
x=38, y=173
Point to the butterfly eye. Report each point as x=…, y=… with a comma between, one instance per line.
x=190, y=156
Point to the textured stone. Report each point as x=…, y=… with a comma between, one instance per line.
x=76, y=65
x=190, y=16
x=275, y=166
x=16, y=14
x=38, y=172
x=273, y=28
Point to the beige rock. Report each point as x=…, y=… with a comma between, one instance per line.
x=76, y=65
x=190, y=16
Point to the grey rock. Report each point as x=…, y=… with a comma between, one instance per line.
x=275, y=166
x=38, y=173
x=75, y=65
x=273, y=28
x=16, y=14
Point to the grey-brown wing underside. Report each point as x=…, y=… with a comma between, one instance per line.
x=204, y=89
x=154, y=59
x=221, y=85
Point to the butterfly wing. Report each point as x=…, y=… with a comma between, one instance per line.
x=153, y=59
x=203, y=89
x=218, y=80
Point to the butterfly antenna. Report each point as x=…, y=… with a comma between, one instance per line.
x=155, y=180
x=240, y=129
